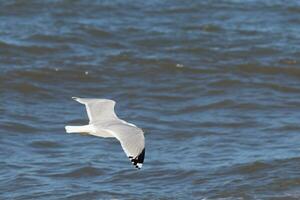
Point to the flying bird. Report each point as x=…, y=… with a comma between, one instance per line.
x=103, y=122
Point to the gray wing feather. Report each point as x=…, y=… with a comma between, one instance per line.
x=98, y=109
x=131, y=138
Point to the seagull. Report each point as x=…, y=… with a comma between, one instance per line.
x=103, y=122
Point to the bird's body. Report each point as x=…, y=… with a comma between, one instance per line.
x=105, y=123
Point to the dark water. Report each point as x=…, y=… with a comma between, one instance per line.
x=214, y=85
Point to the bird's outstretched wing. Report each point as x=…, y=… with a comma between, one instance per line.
x=98, y=109
x=132, y=141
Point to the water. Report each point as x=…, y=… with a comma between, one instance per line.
x=214, y=85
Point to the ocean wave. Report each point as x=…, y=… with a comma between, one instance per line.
x=268, y=70
x=31, y=49
x=82, y=172
x=262, y=165
x=58, y=39
x=45, y=144
x=18, y=127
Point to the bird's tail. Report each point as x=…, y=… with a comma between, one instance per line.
x=77, y=129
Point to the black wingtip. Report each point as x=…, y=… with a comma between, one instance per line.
x=139, y=160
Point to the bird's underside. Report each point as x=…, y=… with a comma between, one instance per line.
x=105, y=123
